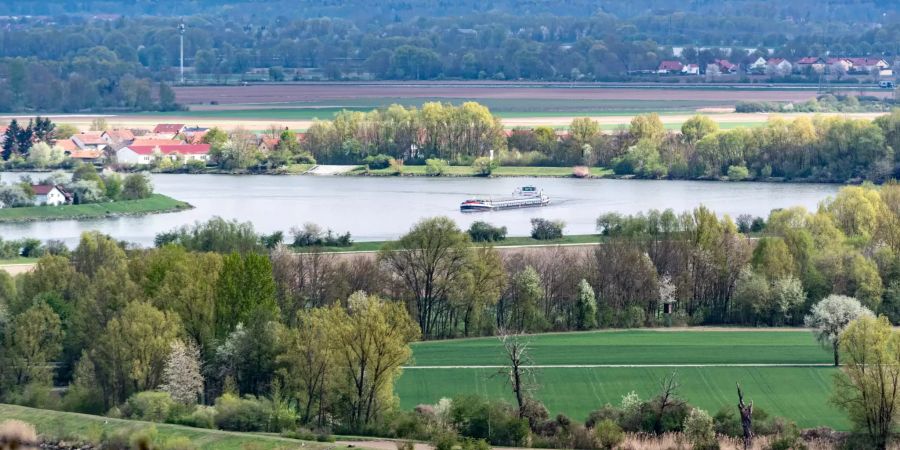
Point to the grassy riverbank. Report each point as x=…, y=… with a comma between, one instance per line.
x=502, y=171
x=156, y=203
x=88, y=428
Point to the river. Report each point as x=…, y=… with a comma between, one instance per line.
x=378, y=208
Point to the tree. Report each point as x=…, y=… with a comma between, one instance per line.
x=130, y=354
x=99, y=124
x=649, y=127
x=697, y=127
x=167, y=98
x=371, y=339
x=699, y=430
x=11, y=139
x=586, y=307
x=307, y=363
x=583, y=130
x=831, y=316
x=519, y=374
x=136, y=186
x=33, y=341
x=746, y=412
x=245, y=283
x=181, y=376
x=430, y=260
x=868, y=386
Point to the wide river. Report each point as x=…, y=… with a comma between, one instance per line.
x=372, y=208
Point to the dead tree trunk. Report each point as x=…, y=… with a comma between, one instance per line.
x=746, y=418
x=517, y=354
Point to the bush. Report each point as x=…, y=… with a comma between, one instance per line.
x=242, y=414
x=494, y=421
x=151, y=406
x=200, y=417
x=378, y=161
x=608, y=434
x=435, y=167
x=581, y=172
x=699, y=430
x=481, y=231
x=484, y=166
x=136, y=186
x=543, y=229
x=738, y=173
x=396, y=166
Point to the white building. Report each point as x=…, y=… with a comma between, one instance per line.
x=137, y=155
x=48, y=194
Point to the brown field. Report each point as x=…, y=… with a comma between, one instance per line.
x=83, y=122
x=309, y=92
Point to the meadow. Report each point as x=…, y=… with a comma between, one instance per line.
x=580, y=372
x=87, y=428
x=156, y=203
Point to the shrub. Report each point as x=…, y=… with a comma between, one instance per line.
x=484, y=166
x=136, y=186
x=738, y=173
x=396, y=166
x=151, y=406
x=608, y=434
x=377, y=161
x=481, y=231
x=200, y=417
x=699, y=430
x=543, y=229
x=242, y=414
x=494, y=421
x=435, y=167
x=581, y=172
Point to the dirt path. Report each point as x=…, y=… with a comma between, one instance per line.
x=15, y=269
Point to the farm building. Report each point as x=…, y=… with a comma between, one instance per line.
x=48, y=194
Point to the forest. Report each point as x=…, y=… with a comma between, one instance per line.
x=88, y=57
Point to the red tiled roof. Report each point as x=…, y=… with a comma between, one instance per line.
x=120, y=135
x=183, y=149
x=725, y=64
x=90, y=138
x=142, y=141
x=670, y=65
x=43, y=189
x=808, y=60
x=867, y=61
x=66, y=145
x=85, y=154
x=169, y=128
x=775, y=61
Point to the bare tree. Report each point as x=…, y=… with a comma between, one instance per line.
x=520, y=374
x=667, y=399
x=746, y=411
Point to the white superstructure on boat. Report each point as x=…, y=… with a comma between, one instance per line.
x=523, y=197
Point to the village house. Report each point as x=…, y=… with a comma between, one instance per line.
x=839, y=65
x=169, y=130
x=116, y=138
x=758, y=66
x=91, y=140
x=690, y=69
x=778, y=67
x=810, y=64
x=48, y=194
x=147, y=154
x=268, y=143
x=667, y=67
x=726, y=66
x=867, y=65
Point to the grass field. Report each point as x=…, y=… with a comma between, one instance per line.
x=502, y=171
x=156, y=203
x=87, y=428
x=800, y=393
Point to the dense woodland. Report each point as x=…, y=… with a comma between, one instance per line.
x=103, y=55
x=269, y=339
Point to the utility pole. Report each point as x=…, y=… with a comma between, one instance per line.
x=181, y=36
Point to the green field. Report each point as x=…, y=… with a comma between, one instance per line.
x=156, y=203
x=502, y=171
x=800, y=393
x=87, y=428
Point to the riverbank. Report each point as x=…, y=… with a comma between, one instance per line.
x=502, y=171
x=155, y=204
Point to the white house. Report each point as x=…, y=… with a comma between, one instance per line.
x=48, y=194
x=91, y=140
x=147, y=154
x=778, y=67
x=758, y=66
x=690, y=69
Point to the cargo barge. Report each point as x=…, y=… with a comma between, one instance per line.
x=524, y=197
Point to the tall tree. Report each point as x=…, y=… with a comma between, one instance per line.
x=245, y=283
x=831, y=316
x=430, y=260
x=33, y=341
